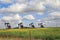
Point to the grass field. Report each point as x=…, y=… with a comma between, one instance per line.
x=33, y=33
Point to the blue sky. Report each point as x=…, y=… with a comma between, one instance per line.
x=27, y=11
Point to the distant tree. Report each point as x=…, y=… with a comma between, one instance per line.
x=32, y=25
x=20, y=25
x=41, y=25
x=8, y=25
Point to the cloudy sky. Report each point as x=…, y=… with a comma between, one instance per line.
x=27, y=11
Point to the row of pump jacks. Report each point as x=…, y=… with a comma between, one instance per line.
x=21, y=25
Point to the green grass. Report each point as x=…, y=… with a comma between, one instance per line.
x=37, y=33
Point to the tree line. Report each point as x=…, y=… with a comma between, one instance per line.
x=20, y=25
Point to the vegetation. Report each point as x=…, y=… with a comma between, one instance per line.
x=36, y=33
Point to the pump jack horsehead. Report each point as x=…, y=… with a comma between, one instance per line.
x=20, y=25
x=8, y=25
x=41, y=25
x=32, y=25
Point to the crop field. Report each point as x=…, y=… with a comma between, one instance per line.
x=30, y=34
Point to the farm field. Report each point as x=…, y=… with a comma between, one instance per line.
x=30, y=34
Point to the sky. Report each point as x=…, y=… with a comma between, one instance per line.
x=27, y=11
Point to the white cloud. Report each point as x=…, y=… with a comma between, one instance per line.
x=17, y=17
x=29, y=17
x=57, y=14
x=2, y=25
x=14, y=8
x=17, y=7
x=7, y=18
x=6, y=1
x=55, y=4
x=40, y=6
x=12, y=1
x=40, y=13
x=33, y=5
x=24, y=7
x=13, y=17
x=21, y=1
x=38, y=20
x=36, y=6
